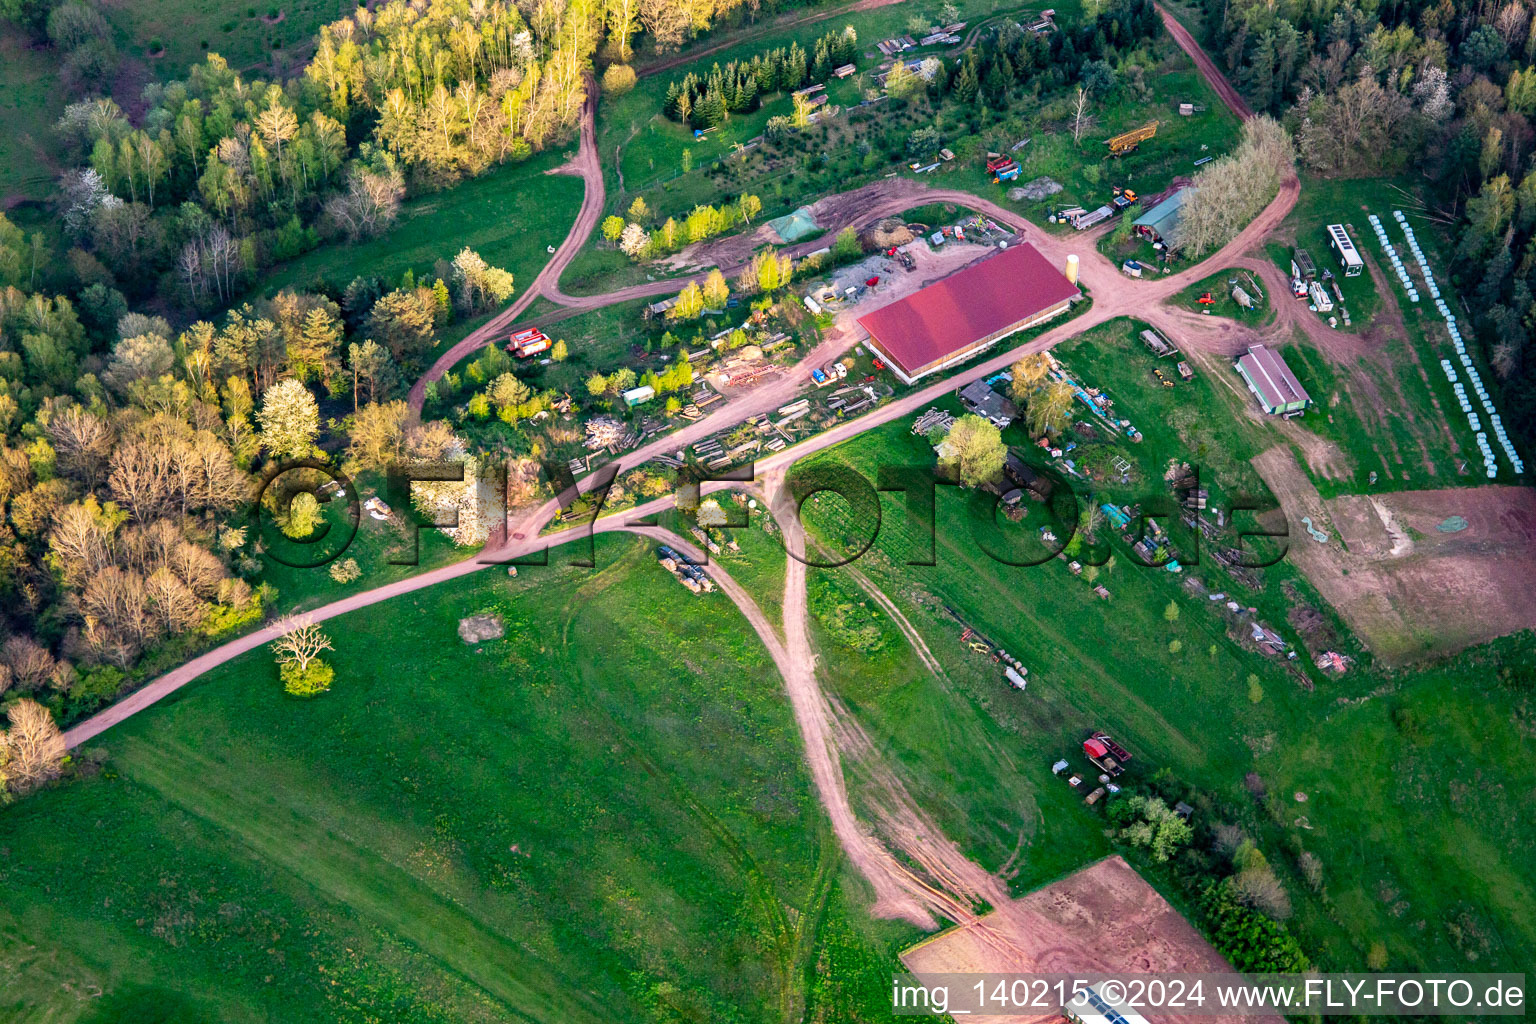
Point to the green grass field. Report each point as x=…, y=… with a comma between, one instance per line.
x=251, y=36
x=1381, y=410
x=601, y=817
x=1220, y=286
x=31, y=103
x=509, y=215
x=1384, y=759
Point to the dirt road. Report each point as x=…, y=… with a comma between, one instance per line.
x=1208, y=70
x=862, y=207
x=950, y=885
x=587, y=165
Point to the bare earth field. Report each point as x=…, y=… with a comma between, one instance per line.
x=1104, y=918
x=1407, y=589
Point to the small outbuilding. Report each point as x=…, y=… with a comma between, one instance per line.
x=1161, y=222
x=979, y=398
x=639, y=396
x=1273, y=383
x=1344, y=247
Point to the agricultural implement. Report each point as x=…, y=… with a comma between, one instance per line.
x=1125, y=142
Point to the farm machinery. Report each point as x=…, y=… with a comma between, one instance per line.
x=1002, y=168
x=1125, y=142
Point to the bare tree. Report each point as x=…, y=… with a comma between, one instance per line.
x=433, y=441
x=1258, y=887
x=301, y=642
x=30, y=663
x=118, y=619
x=369, y=205
x=1080, y=116
x=143, y=477
x=34, y=746
x=197, y=567
x=80, y=544
x=1231, y=191
x=172, y=601
x=83, y=443
x=667, y=22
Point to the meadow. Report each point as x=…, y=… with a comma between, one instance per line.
x=1381, y=404
x=602, y=816
x=259, y=38
x=1219, y=287
x=31, y=103
x=1384, y=761
x=509, y=215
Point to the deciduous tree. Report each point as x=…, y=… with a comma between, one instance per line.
x=34, y=747
x=974, y=450
x=290, y=420
x=716, y=291
x=690, y=303
x=377, y=437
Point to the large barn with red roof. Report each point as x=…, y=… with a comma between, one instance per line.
x=951, y=320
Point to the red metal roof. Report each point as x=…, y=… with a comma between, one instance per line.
x=1093, y=748
x=984, y=298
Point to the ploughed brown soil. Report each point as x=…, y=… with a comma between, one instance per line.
x=1105, y=918
x=1406, y=589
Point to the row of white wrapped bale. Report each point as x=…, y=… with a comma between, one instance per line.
x=1464, y=397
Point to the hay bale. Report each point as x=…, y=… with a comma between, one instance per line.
x=480, y=628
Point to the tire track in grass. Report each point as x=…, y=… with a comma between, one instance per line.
x=760, y=887
x=362, y=882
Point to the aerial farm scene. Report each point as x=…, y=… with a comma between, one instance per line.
x=785, y=512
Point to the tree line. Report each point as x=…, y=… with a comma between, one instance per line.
x=1445, y=88
x=994, y=72
x=222, y=174
x=704, y=102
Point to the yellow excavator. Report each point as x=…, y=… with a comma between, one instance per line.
x=1127, y=141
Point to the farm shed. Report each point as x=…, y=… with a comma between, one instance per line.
x=1161, y=223
x=953, y=319
x=1157, y=344
x=1024, y=476
x=1273, y=383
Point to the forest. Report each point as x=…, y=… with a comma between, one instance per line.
x=1442, y=90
